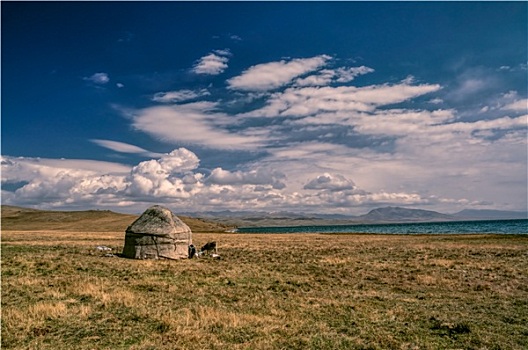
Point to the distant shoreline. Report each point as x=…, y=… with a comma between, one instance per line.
x=510, y=226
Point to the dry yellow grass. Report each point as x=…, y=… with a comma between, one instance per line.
x=267, y=292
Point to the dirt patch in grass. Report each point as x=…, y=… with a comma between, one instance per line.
x=267, y=292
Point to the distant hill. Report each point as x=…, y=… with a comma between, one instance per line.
x=483, y=214
x=397, y=214
x=378, y=215
x=25, y=219
x=272, y=219
x=230, y=214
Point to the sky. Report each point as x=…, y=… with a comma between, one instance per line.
x=306, y=107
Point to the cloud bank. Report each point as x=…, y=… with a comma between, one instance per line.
x=324, y=143
x=174, y=179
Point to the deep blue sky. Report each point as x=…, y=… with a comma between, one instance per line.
x=469, y=57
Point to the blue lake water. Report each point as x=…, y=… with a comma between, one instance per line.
x=454, y=227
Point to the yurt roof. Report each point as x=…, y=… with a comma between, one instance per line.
x=159, y=221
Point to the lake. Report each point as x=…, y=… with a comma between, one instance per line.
x=452, y=227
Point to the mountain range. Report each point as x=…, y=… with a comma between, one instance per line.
x=378, y=215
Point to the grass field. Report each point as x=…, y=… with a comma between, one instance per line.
x=267, y=292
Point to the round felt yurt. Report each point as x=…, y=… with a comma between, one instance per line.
x=157, y=234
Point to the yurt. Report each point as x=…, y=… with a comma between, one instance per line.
x=157, y=234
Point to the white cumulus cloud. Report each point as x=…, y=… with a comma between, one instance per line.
x=61, y=182
x=330, y=182
x=163, y=177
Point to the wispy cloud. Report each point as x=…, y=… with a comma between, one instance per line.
x=313, y=100
x=324, y=77
x=194, y=123
x=327, y=76
x=436, y=101
x=472, y=83
x=98, y=78
x=258, y=176
x=272, y=75
x=123, y=147
x=179, y=95
x=344, y=75
x=213, y=63
x=518, y=106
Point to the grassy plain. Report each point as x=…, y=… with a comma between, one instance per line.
x=267, y=292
